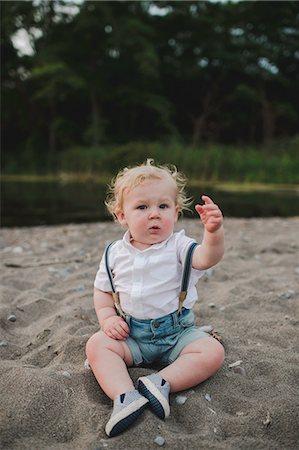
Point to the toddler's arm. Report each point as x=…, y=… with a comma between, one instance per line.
x=113, y=325
x=212, y=248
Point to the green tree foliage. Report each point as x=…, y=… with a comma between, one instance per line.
x=103, y=72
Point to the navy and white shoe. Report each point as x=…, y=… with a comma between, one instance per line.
x=156, y=390
x=127, y=408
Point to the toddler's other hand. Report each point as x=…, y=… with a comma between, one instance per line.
x=210, y=214
x=116, y=328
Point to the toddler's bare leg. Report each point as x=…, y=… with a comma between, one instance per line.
x=109, y=359
x=198, y=361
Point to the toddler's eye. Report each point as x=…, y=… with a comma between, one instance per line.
x=163, y=206
x=141, y=207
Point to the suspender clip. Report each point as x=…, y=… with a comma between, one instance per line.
x=182, y=296
x=120, y=312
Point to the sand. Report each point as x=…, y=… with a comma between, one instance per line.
x=49, y=397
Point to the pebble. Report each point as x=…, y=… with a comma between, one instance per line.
x=180, y=399
x=18, y=250
x=3, y=343
x=240, y=370
x=103, y=444
x=51, y=374
x=268, y=420
x=206, y=328
x=297, y=270
x=66, y=374
x=208, y=397
x=61, y=273
x=12, y=317
x=86, y=364
x=236, y=363
x=159, y=440
x=212, y=305
x=80, y=288
x=209, y=273
x=289, y=294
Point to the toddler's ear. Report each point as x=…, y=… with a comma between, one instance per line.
x=121, y=217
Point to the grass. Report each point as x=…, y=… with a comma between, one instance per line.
x=210, y=163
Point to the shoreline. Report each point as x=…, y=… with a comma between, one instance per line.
x=227, y=186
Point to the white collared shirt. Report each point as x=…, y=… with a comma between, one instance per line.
x=148, y=281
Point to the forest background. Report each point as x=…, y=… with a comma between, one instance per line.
x=212, y=87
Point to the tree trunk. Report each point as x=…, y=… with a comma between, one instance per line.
x=268, y=117
x=95, y=114
x=198, y=125
x=52, y=133
x=200, y=121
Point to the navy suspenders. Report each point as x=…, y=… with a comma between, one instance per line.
x=186, y=275
x=115, y=294
x=184, y=283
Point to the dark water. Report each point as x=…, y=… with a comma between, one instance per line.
x=49, y=203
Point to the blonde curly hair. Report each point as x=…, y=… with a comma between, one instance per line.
x=128, y=178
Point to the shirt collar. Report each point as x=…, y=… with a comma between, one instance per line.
x=127, y=242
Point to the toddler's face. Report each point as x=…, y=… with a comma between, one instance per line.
x=150, y=212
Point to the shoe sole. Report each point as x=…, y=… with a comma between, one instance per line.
x=125, y=418
x=158, y=402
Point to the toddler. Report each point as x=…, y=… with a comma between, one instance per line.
x=141, y=299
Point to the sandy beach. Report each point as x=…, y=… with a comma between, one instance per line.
x=49, y=396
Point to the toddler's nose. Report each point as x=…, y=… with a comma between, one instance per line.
x=154, y=212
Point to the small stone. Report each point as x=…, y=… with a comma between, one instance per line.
x=3, y=343
x=297, y=270
x=206, y=328
x=240, y=370
x=51, y=374
x=18, y=250
x=66, y=374
x=212, y=305
x=287, y=295
x=209, y=273
x=59, y=273
x=12, y=317
x=268, y=420
x=86, y=364
x=180, y=399
x=80, y=288
x=159, y=440
x=236, y=363
x=208, y=397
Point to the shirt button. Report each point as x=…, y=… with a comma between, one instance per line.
x=156, y=324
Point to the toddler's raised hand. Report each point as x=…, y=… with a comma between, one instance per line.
x=116, y=328
x=210, y=214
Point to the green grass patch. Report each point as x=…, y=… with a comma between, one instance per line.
x=208, y=163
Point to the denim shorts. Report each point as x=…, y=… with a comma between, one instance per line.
x=160, y=341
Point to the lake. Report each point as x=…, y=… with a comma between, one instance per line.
x=26, y=203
